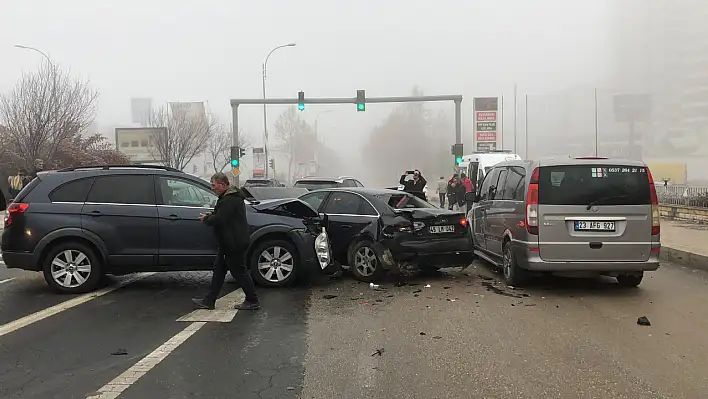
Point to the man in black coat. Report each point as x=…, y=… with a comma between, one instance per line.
x=231, y=228
x=415, y=185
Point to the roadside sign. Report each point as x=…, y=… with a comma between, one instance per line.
x=235, y=172
x=487, y=136
x=486, y=126
x=486, y=146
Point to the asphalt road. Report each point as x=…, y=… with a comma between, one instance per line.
x=458, y=338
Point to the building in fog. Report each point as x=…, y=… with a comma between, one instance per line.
x=660, y=48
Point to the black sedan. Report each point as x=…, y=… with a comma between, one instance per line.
x=374, y=230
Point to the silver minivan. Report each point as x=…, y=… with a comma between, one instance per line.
x=568, y=215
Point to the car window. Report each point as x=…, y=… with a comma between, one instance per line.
x=584, y=184
x=514, y=186
x=315, y=199
x=179, y=192
x=487, y=184
x=358, y=183
x=343, y=203
x=498, y=186
x=73, y=191
x=123, y=189
x=367, y=209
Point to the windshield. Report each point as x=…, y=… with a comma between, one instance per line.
x=315, y=184
x=584, y=184
x=403, y=201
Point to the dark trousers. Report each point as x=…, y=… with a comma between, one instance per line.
x=442, y=197
x=236, y=264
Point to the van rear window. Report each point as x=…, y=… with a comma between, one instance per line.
x=593, y=184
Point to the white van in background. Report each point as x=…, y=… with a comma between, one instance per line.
x=476, y=165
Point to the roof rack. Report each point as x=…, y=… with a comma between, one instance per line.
x=107, y=167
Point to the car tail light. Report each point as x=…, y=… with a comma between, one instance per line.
x=13, y=211
x=532, y=204
x=655, y=214
x=463, y=222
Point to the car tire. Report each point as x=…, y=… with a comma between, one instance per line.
x=364, y=264
x=513, y=274
x=630, y=280
x=270, y=261
x=72, y=267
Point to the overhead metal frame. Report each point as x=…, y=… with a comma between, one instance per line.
x=457, y=99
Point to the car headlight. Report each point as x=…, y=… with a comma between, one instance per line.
x=322, y=249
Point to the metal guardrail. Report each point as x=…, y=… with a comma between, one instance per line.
x=685, y=195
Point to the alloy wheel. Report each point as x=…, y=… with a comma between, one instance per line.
x=71, y=268
x=365, y=261
x=275, y=264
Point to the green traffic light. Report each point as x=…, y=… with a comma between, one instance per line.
x=234, y=163
x=301, y=107
x=458, y=160
x=360, y=107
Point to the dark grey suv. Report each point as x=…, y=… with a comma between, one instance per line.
x=78, y=224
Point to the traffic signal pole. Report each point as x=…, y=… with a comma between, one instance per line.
x=457, y=99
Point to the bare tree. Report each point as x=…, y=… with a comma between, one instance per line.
x=185, y=136
x=43, y=110
x=219, y=148
x=290, y=129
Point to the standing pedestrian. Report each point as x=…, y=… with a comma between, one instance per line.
x=231, y=228
x=442, y=191
x=416, y=185
x=468, y=187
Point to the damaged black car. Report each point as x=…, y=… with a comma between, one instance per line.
x=379, y=230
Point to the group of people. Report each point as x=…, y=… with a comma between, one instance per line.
x=22, y=178
x=454, y=191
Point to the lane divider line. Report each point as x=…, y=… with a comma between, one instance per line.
x=119, y=384
x=51, y=311
x=6, y=281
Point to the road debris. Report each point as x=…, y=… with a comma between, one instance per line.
x=446, y=288
x=643, y=321
x=378, y=352
x=437, y=337
x=422, y=333
x=427, y=286
x=417, y=291
x=329, y=296
x=490, y=287
x=290, y=388
x=120, y=352
x=374, y=286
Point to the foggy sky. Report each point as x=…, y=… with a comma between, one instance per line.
x=213, y=50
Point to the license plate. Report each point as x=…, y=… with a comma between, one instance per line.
x=442, y=229
x=594, y=226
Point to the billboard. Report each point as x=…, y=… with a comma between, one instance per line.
x=259, y=162
x=486, y=111
x=140, y=109
x=193, y=110
x=138, y=143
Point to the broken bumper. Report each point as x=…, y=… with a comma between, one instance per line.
x=433, y=253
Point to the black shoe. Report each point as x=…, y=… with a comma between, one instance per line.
x=201, y=303
x=245, y=305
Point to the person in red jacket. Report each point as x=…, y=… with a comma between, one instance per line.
x=468, y=187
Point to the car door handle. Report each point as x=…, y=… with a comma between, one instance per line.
x=346, y=226
x=172, y=217
x=94, y=213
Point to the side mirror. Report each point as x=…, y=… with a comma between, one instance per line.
x=470, y=196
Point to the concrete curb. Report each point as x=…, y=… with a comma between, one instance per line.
x=684, y=258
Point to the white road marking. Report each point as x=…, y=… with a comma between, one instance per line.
x=6, y=281
x=119, y=384
x=224, y=312
x=43, y=314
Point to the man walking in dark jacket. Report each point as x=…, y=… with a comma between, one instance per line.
x=231, y=228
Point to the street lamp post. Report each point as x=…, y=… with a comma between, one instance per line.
x=265, y=115
x=54, y=78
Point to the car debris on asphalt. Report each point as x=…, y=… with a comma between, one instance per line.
x=378, y=352
x=329, y=296
x=643, y=321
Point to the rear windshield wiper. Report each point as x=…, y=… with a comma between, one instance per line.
x=597, y=201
